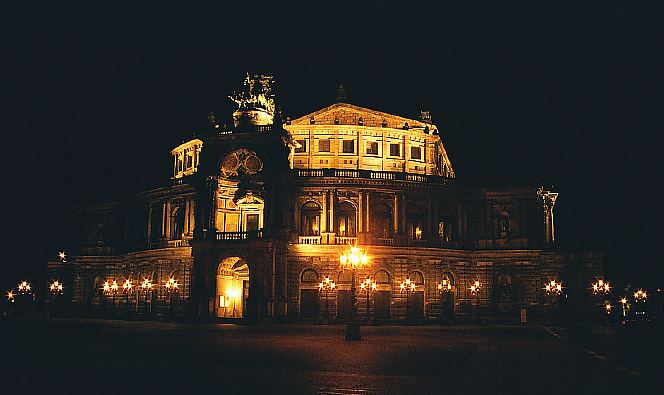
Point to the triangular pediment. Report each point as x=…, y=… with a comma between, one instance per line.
x=349, y=114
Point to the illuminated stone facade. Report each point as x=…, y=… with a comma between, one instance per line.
x=259, y=213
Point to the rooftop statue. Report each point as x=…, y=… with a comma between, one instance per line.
x=255, y=101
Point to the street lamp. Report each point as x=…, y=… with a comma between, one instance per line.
x=368, y=286
x=640, y=296
x=326, y=286
x=127, y=287
x=62, y=256
x=608, y=307
x=553, y=288
x=56, y=288
x=171, y=287
x=352, y=260
x=24, y=287
x=444, y=289
x=475, y=289
x=601, y=286
x=623, y=304
x=10, y=296
x=146, y=286
x=409, y=286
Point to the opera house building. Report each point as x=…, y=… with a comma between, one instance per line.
x=255, y=218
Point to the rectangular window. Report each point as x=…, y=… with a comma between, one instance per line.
x=302, y=148
x=415, y=153
x=190, y=161
x=372, y=148
x=349, y=147
x=324, y=145
x=394, y=150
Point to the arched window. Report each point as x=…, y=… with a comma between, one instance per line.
x=382, y=277
x=382, y=224
x=417, y=278
x=346, y=220
x=309, y=276
x=310, y=219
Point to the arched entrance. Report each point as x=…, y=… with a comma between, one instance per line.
x=232, y=288
x=416, y=303
x=309, y=308
x=383, y=295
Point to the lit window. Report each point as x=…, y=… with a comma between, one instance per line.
x=324, y=145
x=302, y=148
x=372, y=148
x=348, y=147
x=394, y=150
x=415, y=153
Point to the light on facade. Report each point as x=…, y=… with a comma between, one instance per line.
x=601, y=286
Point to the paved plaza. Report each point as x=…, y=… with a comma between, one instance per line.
x=94, y=356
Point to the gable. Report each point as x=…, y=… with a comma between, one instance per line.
x=348, y=114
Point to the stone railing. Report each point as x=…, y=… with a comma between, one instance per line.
x=168, y=244
x=376, y=175
x=345, y=240
x=309, y=239
x=236, y=236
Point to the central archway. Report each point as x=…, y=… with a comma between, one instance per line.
x=232, y=288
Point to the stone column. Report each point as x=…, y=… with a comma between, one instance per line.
x=323, y=215
x=185, y=226
x=404, y=220
x=395, y=214
x=368, y=214
x=360, y=213
x=167, y=232
x=162, y=233
x=333, y=199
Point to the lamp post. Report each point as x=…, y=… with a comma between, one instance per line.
x=368, y=286
x=444, y=290
x=24, y=287
x=408, y=286
x=326, y=286
x=640, y=296
x=146, y=286
x=475, y=288
x=127, y=286
x=623, y=305
x=553, y=289
x=171, y=287
x=601, y=287
x=352, y=260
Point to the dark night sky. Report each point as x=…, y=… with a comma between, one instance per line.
x=94, y=95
